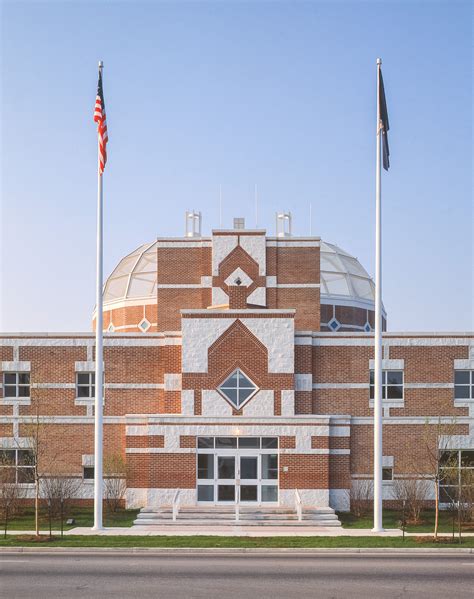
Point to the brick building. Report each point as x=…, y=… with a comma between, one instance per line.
x=237, y=368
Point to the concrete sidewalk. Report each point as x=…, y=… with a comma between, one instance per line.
x=236, y=531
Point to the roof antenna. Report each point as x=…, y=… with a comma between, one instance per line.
x=256, y=206
x=220, y=206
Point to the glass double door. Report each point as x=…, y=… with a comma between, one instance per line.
x=245, y=478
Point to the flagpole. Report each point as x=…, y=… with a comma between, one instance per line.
x=99, y=358
x=378, y=448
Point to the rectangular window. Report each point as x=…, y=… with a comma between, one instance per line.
x=464, y=384
x=457, y=475
x=17, y=465
x=392, y=384
x=387, y=473
x=85, y=384
x=88, y=472
x=16, y=384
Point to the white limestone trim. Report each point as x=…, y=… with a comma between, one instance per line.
x=255, y=247
x=221, y=247
x=135, y=385
x=15, y=401
x=464, y=364
x=429, y=385
x=187, y=402
x=300, y=340
x=340, y=431
x=62, y=419
x=198, y=242
x=172, y=382
x=15, y=442
x=16, y=366
x=179, y=286
x=206, y=281
x=260, y=404
x=271, y=281
x=258, y=297
x=198, y=335
x=287, y=403
x=366, y=340
x=457, y=441
x=86, y=366
x=309, y=498
x=389, y=364
x=219, y=297
x=213, y=403
x=293, y=243
x=155, y=497
x=364, y=420
x=137, y=422
x=341, y=386
x=277, y=335
x=88, y=459
x=339, y=499
x=53, y=386
x=238, y=273
x=248, y=313
x=387, y=461
x=149, y=450
x=303, y=382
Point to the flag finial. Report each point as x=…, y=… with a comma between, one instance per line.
x=379, y=61
x=101, y=64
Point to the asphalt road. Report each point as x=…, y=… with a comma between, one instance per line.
x=235, y=576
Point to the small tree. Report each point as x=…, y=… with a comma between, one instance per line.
x=59, y=492
x=114, y=481
x=410, y=493
x=10, y=493
x=360, y=497
x=433, y=461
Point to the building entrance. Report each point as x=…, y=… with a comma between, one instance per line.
x=240, y=470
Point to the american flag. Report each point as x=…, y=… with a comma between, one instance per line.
x=101, y=120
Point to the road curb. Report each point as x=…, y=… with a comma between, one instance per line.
x=242, y=550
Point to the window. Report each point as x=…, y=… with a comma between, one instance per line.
x=392, y=384
x=88, y=472
x=387, y=473
x=17, y=465
x=237, y=388
x=464, y=384
x=16, y=384
x=457, y=474
x=85, y=384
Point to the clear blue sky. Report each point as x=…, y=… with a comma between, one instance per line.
x=206, y=93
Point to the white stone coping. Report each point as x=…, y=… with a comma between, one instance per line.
x=263, y=311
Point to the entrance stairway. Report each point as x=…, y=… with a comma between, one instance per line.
x=225, y=516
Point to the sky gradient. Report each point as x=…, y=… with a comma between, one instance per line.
x=202, y=94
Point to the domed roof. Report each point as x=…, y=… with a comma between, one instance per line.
x=342, y=277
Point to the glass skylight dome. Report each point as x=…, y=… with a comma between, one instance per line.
x=342, y=277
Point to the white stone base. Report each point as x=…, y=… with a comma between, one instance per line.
x=339, y=500
x=138, y=498
x=309, y=497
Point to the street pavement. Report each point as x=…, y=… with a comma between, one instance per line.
x=232, y=576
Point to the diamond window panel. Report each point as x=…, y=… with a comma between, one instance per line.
x=334, y=324
x=237, y=388
x=144, y=325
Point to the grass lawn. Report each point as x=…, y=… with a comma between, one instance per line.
x=83, y=517
x=391, y=519
x=230, y=542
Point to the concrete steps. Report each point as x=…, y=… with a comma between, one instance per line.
x=225, y=516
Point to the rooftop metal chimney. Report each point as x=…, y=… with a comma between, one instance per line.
x=193, y=224
x=283, y=224
x=239, y=223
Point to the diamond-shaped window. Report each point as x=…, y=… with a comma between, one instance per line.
x=237, y=388
x=144, y=325
x=334, y=324
x=367, y=327
x=110, y=328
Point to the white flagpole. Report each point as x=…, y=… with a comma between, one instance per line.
x=99, y=358
x=378, y=447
